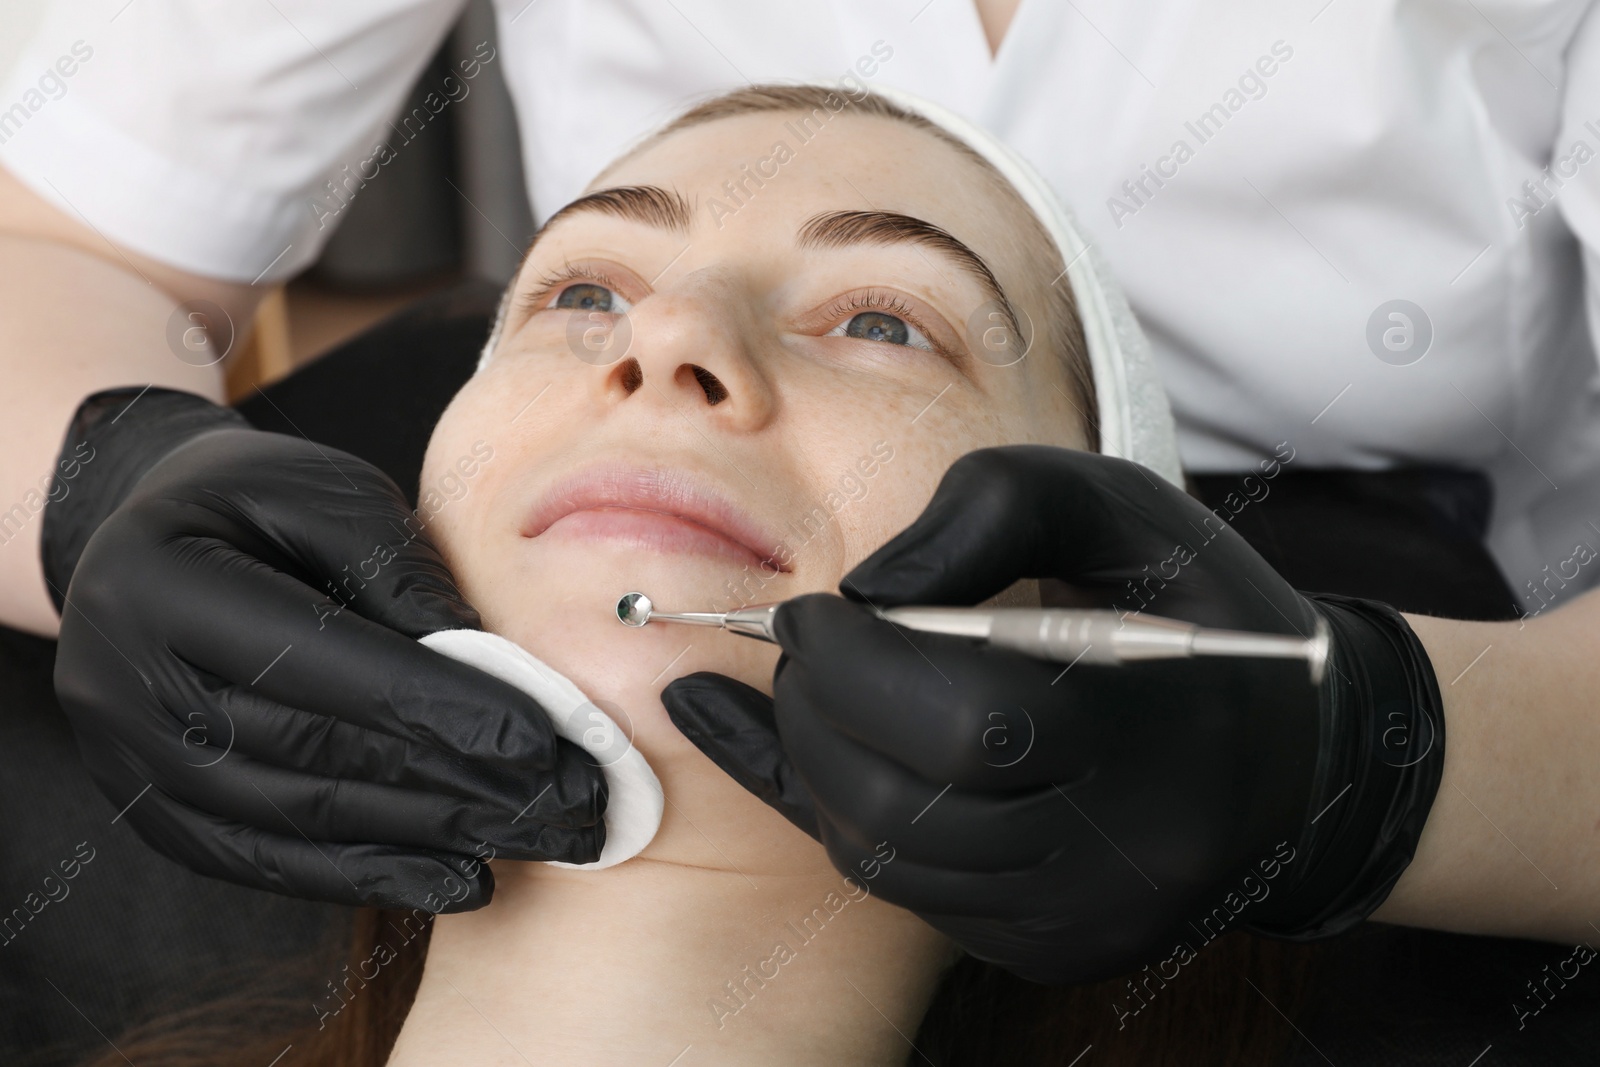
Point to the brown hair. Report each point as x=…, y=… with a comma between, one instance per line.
x=1063, y=330
x=272, y=1017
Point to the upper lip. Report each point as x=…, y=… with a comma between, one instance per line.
x=678, y=492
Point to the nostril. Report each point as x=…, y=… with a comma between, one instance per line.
x=632, y=376
x=715, y=391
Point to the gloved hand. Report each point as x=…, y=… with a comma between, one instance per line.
x=239, y=662
x=1071, y=824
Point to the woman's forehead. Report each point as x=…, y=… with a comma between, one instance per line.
x=769, y=170
x=787, y=155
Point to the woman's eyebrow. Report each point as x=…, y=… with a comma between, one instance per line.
x=838, y=229
x=668, y=209
x=652, y=205
x=649, y=204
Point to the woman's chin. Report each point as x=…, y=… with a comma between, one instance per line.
x=590, y=571
x=710, y=823
x=558, y=601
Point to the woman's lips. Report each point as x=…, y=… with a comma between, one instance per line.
x=652, y=509
x=650, y=531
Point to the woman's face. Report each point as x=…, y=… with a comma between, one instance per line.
x=724, y=392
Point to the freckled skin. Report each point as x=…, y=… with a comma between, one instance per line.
x=803, y=411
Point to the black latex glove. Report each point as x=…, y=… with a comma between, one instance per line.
x=239, y=637
x=1072, y=824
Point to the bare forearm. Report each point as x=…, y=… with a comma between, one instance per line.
x=1512, y=845
x=71, y=323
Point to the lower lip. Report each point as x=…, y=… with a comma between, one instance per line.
x=649, y=531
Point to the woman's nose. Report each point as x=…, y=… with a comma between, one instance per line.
x=692, y=345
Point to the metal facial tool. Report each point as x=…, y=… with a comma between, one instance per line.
x=1064, y=635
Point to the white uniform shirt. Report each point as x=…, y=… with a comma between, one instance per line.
x=1263, y=175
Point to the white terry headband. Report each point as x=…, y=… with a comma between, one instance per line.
x=1135, y=418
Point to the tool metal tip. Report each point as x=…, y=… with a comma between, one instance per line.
x=634, y=609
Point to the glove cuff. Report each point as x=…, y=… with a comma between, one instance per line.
x=1383, y=746
x=113, y=440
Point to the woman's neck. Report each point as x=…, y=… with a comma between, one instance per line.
x=729, y=940
x=659, y=963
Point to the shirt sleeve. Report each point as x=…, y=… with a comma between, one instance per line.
x=1577, y=158
x=202, y=134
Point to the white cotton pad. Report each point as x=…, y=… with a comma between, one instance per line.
x=635, y=802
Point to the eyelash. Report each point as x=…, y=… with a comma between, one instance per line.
x=537, y=299
x=879, y=300
x=842, y=308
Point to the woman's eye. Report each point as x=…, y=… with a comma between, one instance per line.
x=588, y=296
x=881, y=326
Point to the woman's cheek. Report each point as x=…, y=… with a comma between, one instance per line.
x=910, y=460
x=465, y=410
x=451, y=503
